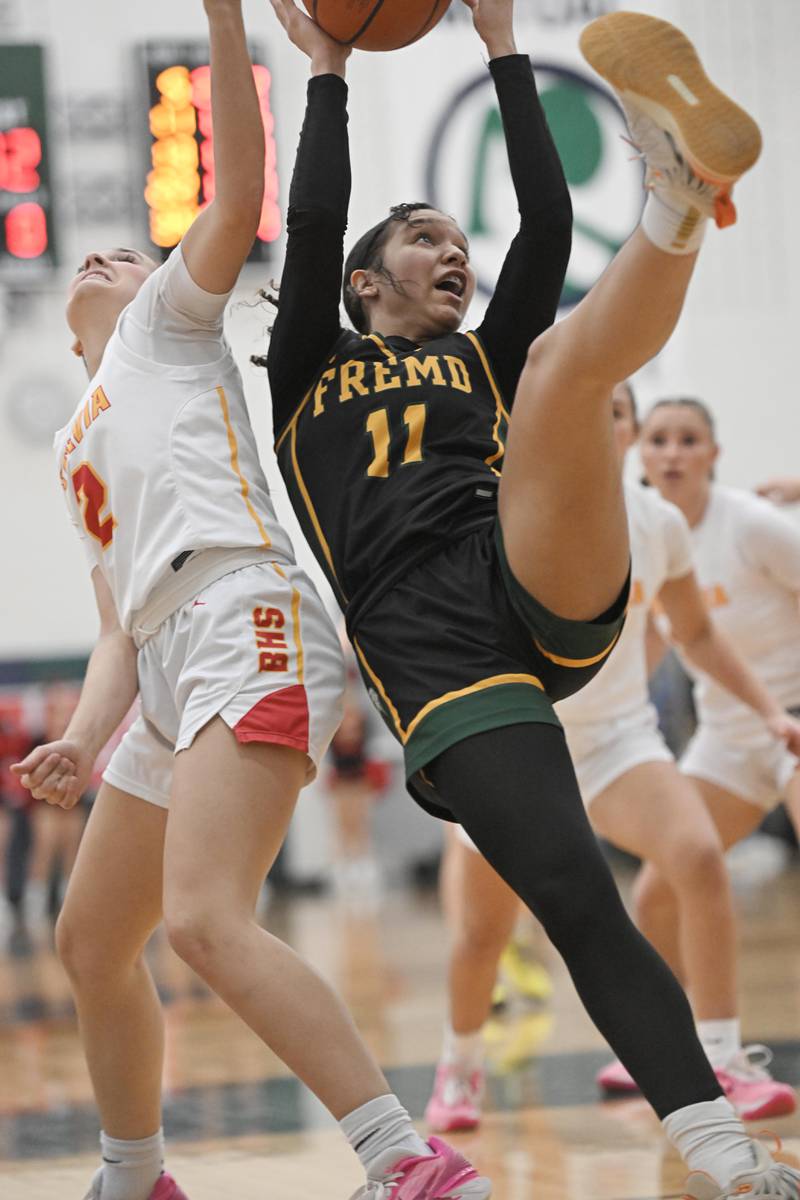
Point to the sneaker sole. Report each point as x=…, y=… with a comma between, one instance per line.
x=657, y=66
x=779, y=1106
x=457, y=1125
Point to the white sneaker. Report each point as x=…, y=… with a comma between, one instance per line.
x=695, y=140
x=767, y=1180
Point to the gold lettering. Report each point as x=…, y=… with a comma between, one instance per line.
x=100, y=402
x=351, y=375
x=428, y=368
x=384, y=381
x=321, y=389
x=459, y=375
x=77, y=430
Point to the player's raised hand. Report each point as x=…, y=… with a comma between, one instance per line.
x=57, y=772
x=327, y=55
x=494, y=22
x=787, y=729
x=781, y=491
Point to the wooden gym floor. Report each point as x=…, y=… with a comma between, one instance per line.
x=240, y=1128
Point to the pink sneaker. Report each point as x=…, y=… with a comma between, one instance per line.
x=615, y=1078
x=751, y=1089
x=443, y=1175
x=456, y=1100
x=165, y=1189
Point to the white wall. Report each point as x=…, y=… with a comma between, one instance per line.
x=735, y=345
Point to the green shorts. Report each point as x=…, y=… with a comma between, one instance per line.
x=458, y=647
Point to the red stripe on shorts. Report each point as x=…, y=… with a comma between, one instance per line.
x=279, y=717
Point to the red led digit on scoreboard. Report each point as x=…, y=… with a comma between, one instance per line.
x=20, y=155
x=26, y=231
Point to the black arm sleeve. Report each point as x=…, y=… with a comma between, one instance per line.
x=307, y=323
x=526, y=297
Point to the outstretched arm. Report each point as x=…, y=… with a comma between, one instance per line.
x=528, y=289
x=59, y=772
x=307, y=322
x=218, y=242
x=708, y=649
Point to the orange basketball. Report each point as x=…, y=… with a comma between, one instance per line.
x=377, y=24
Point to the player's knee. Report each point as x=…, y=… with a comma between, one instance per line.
x=85, y=955
x=698, y=864
x=195, y=934
x=567, y=901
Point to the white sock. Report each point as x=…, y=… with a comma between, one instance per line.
x=464, y=1050
x=130, y=1169
x=710, y=1137
x=672, y=223
x=379, y=1126
x=721, y=1040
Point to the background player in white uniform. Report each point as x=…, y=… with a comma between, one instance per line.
x=638, y=800
x=747, y=557
x=240, y=675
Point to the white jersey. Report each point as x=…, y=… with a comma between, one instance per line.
x=660, y=551
x=159, y=463
x=747, y=558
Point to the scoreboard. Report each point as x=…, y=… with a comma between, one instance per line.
x=26, y=217
x=180, y=149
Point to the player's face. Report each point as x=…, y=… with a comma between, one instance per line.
x=106, y=281
x=429, y=257
x=678, y=452
x=625, y=428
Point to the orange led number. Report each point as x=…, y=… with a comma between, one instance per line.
x=92, y=495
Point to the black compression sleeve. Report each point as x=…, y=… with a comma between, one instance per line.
x=528, y=289
x=307, y=323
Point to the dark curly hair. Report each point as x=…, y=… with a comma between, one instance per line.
x=366, y=256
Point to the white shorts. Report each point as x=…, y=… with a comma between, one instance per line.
x=602, y=751
x=757, y=769
x=255, y=647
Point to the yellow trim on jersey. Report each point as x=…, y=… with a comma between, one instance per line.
x=481, y=685
x=381, y=691
x=498, y=399
x=298, y=640
x=576, y=662
x=293, y=418
x=326, y=550
x=379, y=342
x=234, y=449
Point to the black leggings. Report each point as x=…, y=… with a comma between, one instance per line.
x=514, y=790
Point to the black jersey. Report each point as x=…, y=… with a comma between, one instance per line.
x=390, y=448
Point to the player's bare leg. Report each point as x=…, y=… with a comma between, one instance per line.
x=653, y=813
x=481, y=912
x=113, y=904
x=741, y=1070
x=560, y=498
x=230, y=809
x=561, y=503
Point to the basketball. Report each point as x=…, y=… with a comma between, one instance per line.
x=377, y=24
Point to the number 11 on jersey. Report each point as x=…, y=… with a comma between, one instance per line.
x=378, y=429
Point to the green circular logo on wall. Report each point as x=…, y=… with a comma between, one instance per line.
x=467, y=173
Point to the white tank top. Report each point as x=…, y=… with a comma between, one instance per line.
x=159, y=464
x=747, y=558
x=660, y=551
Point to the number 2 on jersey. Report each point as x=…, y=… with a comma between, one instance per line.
x=92, y=495
x=378, y=429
